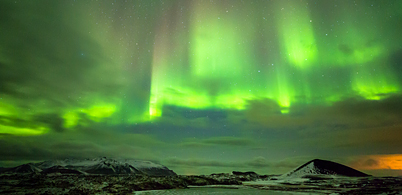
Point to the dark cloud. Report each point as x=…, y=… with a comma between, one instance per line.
x=200, y=162
x=266, y=106
x=354, y=112
x=231, y=141
x=345, y=49
x=384, y=172
x=13, y=149
x=53, y=121
x=396, y=63
x=371, y=162
x=257, y=162
x=82, y=144
x=195, y=144
x=223, y=141
x=17, y=122
x=77, y=146
x=189, y=113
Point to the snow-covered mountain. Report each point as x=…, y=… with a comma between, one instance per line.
x=92, y=166
x=95, y=166
x=323, y=167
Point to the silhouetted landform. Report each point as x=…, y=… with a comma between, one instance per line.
x=61, y=170
x=324, y=167
x=25, y=168
x=251, y=173
x=249, y=176
x=103, y=166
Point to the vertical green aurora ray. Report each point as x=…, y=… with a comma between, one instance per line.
x=215, y=50
x=171, y=84
x=216, y=53
x=296, y=33
x=215, y=79
x=160, y=65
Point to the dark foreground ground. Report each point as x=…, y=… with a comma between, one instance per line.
x=106, y=184
x=127, y=184
x=333, y=185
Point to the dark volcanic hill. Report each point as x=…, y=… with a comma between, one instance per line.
x=324, y=167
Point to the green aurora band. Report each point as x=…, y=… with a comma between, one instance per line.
x=220, y=55
x=228, y=66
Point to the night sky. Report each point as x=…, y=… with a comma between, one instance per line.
x=203, y=86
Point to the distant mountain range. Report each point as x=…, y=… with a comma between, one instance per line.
x=323, y=167
x=93, y=166
x=107, y=166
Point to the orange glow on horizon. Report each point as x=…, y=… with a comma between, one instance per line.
x=372, y=162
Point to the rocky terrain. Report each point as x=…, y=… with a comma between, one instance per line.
x=332, y=185
x=73, y=183
x=104, y=176
x=107, y=176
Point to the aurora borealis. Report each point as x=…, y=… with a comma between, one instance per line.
x=203, y=86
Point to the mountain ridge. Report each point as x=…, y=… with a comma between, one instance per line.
x=102, y=165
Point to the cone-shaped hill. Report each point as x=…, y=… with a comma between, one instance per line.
x=324, y=167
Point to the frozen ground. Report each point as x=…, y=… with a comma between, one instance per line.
x=210, y=184
x=325, y=184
